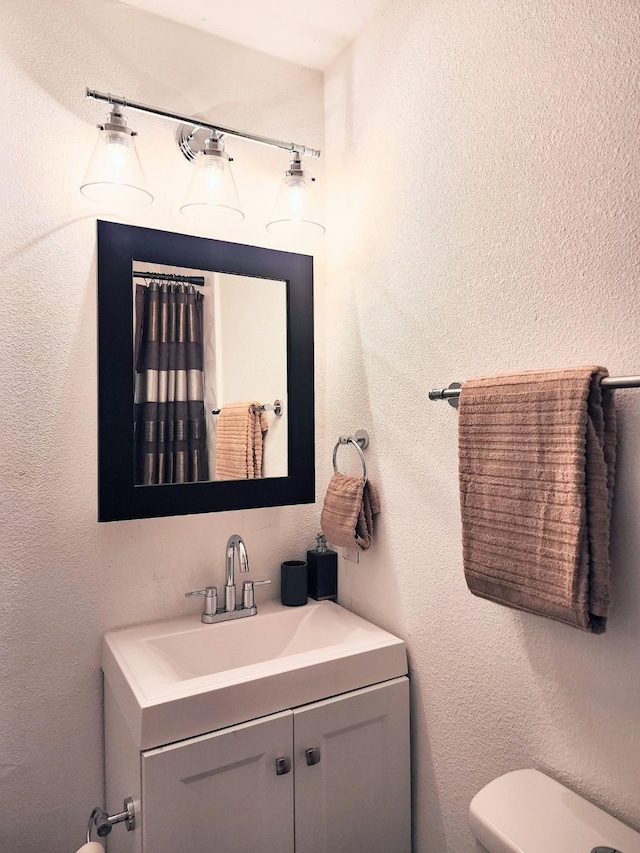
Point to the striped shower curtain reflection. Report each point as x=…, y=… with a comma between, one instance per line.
x=170, y=429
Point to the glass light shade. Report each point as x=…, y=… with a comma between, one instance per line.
x=212, y=196
x=114, y=174
x=295, y=213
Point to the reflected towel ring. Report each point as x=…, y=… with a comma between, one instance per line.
x=359, y=441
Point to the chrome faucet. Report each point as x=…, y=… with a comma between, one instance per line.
x=210, y=612
x=234, y=543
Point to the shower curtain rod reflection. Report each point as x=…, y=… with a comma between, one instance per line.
x=170, y=276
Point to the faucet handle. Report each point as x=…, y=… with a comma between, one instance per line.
x=248, y=598
x=210, y=601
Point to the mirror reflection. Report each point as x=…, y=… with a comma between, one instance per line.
x=210, y=376
x=250, y=342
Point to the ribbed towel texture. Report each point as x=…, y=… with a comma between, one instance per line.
x=241, y=428
x=347, y=514
x=537, y=456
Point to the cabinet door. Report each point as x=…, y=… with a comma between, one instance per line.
x=220, y=793
x=356, y=798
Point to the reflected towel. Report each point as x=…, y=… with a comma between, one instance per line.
x=240, y=432
x=537, y=455
x=347, y=514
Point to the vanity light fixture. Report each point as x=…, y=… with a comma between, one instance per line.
x=114, y=173
x=296, y=210
x=212, y=193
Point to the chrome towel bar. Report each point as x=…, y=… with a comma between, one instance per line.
x=275, y=407
x=452, y=393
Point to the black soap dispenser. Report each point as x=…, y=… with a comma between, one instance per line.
x=323, y=571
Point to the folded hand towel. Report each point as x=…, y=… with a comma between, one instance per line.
x=240, y=431
x=347, y=514
x=537, y=455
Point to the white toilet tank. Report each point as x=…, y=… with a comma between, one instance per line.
x=527, y=812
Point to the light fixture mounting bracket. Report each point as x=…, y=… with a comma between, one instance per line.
x=191, y=140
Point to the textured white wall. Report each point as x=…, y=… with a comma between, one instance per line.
x=483, y=165
x=65, y=579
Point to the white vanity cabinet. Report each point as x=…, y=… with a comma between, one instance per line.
x=286, y=732
x=356, y=799
x=220, y=791
x=327, y=777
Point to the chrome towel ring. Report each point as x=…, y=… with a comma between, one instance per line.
x=360, y=441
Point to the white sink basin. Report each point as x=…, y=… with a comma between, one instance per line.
x=180, y=678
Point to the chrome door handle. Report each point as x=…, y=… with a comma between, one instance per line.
x=313, y=756
x=283, y=766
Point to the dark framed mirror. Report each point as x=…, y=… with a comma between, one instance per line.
x=246, y=315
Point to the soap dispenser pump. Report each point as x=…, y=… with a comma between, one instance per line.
x=322, y=565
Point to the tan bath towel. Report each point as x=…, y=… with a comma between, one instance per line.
x=347, y=514
x=537, y=455
x=240, y=432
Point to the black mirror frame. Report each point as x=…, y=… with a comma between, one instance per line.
x=118, y=498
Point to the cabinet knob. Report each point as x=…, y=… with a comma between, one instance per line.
x=283, y=766
x=313, y=756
